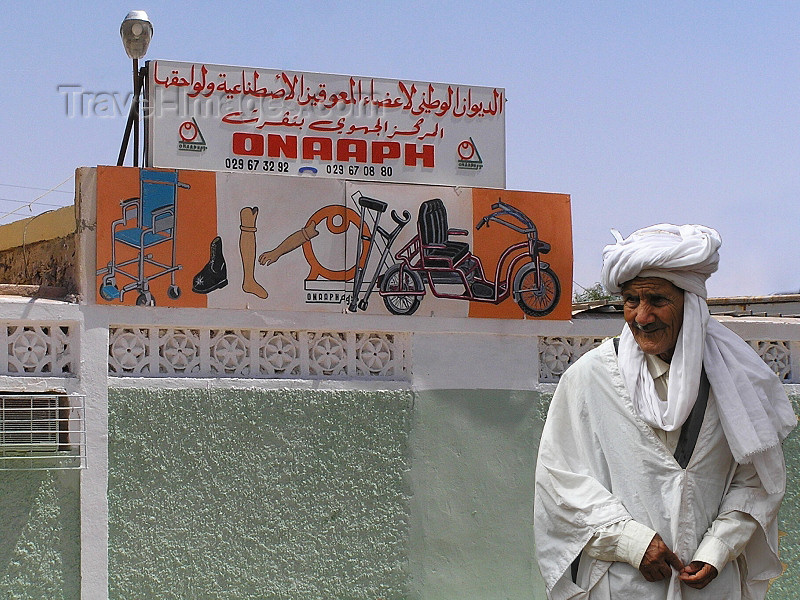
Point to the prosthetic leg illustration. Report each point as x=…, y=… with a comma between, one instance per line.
x=247, y=248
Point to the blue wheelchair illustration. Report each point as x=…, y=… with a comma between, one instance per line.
x=146, y=223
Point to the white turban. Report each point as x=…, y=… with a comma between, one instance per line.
x=754, y=410
x=686, y=255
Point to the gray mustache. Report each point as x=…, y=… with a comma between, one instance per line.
x=646, y=328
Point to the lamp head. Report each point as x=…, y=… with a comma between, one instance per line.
x=136, y=31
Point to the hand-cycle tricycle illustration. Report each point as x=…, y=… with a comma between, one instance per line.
x=448, y=268
x=145, y=223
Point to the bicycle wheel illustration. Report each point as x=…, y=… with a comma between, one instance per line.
x=536, y=300
x=397, y=280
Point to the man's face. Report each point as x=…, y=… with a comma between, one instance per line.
x=654, y=312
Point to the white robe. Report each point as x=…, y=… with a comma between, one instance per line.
x=599, y=463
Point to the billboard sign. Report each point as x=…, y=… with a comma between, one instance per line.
x=203, y=239
x=225, y=118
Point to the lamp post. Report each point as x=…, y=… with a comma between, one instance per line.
x=136, y=32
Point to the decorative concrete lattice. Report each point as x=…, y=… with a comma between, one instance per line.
x=558, y=353
x=36, y=349
x=778, y=355
x=255, y=353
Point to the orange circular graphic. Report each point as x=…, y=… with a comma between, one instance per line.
x=338, y=220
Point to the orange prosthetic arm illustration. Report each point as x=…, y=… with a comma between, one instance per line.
x=294, y=241
x=247, y=248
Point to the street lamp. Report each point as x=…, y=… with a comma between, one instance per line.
x=136, y=32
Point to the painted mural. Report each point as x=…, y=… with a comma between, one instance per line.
x=238, y=240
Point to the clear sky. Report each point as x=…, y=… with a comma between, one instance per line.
x=644, y=112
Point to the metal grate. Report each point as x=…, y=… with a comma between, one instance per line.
x=42, y=431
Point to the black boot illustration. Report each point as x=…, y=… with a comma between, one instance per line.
x=215, y=274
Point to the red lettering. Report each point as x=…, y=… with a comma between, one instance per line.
x=382, y=151
x=248, y=144
x=321, y=148
x=279, y=146
x=351, y=149
x=317, y=147
x=413, y=155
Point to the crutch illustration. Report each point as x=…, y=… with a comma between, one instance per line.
x=371, y=237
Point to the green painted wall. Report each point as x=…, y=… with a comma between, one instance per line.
x=309, y=494
x=785, y=587
x=40, y=539
x=258, y=494
x=472, y=478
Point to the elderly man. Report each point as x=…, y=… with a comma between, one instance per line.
x=660, y=469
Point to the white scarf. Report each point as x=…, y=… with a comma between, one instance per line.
x=754, y=410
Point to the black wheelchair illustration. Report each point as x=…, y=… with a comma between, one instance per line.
x=433, y=259
x=146, y=222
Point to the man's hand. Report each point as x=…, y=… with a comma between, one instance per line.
x=697, y=574
x=658, y=561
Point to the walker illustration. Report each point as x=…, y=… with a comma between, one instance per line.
x=147, y=221
x=367, y=238
x=431, y=258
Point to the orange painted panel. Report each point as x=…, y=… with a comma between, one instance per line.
x=164, y=206
x=551, y=217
